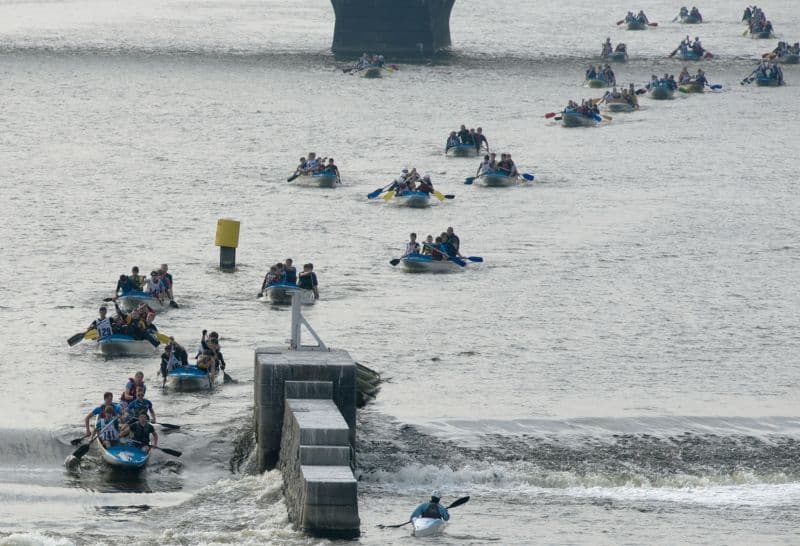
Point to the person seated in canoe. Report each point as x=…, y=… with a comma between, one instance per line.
x=140, y=404
x=301, y=167
x=512, y=167
x=155, y=287
x=684, y=12
x=775, y=73
x=206, y=363
x=129, y=393
x=608, y=48
x=427, y=246
x=308, y=280
x=108, y=427
x=767, y=27
x=108, y=401
x=212, y=348
x=747, y=15
x=684, y=76
x=124, y=285
x=608, y=75
x=311, y=163
x=630, y=17
x=701, y=77
x=290, y=271
x=425, y=185
x=794, y=49
x=362, y=61
x=103, y=324
x=464, y=136
x=591, y=73
x=696, y=14
x=480, y=140
x=167, y=282
x=642, y=18
x=272, y=277
x=136, y=280
x=435, y=250
x=697, y=47
x=403, y=186
x=139, y=433
x=412, y=246
x=174, y=356
x=453, y=240
x=485, y=166
x=331, y=168
x=431, y=509
x=452, y=140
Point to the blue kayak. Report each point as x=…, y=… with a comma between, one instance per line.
x=413, y=199
x=124, y=456
x=190, y=377
x=571, y=118
x=129, y=301
x=462, y=150
x=122, y=345
x=424, y=263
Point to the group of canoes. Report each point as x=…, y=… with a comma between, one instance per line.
x=465, y=142
x=282, y=281
x=315, y=172
x=757, y=24
x=601, y=76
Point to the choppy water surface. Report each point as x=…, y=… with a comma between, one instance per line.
x=622, y=367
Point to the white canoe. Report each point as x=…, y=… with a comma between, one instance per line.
x=427, y=527
x=131, y=300
x=281, y=294
x=122, y=345
x=497, y=180
x=123, y=456
x=462, y=150
x=190, y=378
x=413, y=199
x=423, y=263
x=316, y=180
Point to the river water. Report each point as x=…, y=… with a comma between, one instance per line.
x=622, y=368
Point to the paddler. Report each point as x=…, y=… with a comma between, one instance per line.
x=431, y=509
x=140, y=405
x=140, y=431
x=108, y=427
x=308, y=280
x=102, y=324
x=412, y=246
x=135, y=382
x=174, y=356
x=108, y=400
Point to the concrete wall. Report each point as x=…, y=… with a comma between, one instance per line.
x=391, y=27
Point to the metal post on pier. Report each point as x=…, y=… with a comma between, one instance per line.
x=298, y=321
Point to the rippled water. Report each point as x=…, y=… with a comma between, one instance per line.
x=621, y=368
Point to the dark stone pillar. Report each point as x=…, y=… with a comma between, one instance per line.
x=400, y=28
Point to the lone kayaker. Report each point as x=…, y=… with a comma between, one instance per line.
x=431, y=509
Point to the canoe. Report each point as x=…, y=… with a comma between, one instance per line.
x=661, y=92
x=619, y=106
x=576, y=119
x=692, y=87
x=617, y=57
x=413, y=199
x=690, y=20
x=497, y=180
x=689, y=55
x=123, y=456
x=190, y=378
x=423, y=263
x=131, y=300
x=767, y=82
x=122, y=345
x=789, y=58
x=281, y=294
x=372, y=72
x=316, y=180
x=462, y=150
x=596, y=83
x=636, y=25
x=427, y=527
x=763, y=35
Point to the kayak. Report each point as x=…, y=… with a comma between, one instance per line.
x=619, y=106
x=596, y=83
x=317, y=180
x=281, y=294
x=497, y=179
x=131, y=300
x=762, y=35
x=123, y=456
x=371, y=72
x=767, y=82
x=690, y=20
x=427, y=527
x=789, y=58
x=689, y=55
x=190, y=378
x=661, y=92
x=413, y=199
x=423, y=263
x=617, y=57
x=691, y=87
x=123, y=345
x=462, y=150
x=636, y=25
x=576, y=119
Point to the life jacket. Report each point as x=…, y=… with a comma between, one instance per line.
x=103, y=327
x=432, y=511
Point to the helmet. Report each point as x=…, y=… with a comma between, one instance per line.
x=436, y=494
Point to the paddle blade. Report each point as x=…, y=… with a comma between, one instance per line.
x=394, y=261
x=173, y=452
x=550, y=115
x=470, y=180
x=226, y=378
x=388, y=196
x=292, y=177
x=75, y=339
x=374, y=194
x=527, y=176
x=716, y=86
x=82, y=450
x=607, y=118
x=476, y=259
x=91, y=334
x=77, y=441
x=173, y=304
x=459, y=502
x=652, y=24
x=168, y=426
x=641, y=91
x=438, y=195
x=620, y=21
x=108, y=299
x=458, y=261
x=382, y=526
x=449, y=196
x=163, y=338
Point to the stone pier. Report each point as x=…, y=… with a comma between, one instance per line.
x=406, y=28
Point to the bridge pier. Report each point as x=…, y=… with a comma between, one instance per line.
x=399, y=28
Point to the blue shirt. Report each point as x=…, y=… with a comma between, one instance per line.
x=99, y=409
x=139, y=406
x=443, y=513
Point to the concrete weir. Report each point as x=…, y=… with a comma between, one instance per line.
x=305, y=414
x=391, y=27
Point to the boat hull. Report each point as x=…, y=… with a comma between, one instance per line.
x=662, y=93
x=690, y=20
x=323, y=180
x=763, y=35
x=690, y=55
x=372, y=72
x=789, y=58
x=420, y=263
x=617, y=57
x=574, y=119
x=122, y=345
x=462, y=150
x=190, y=378
x=767, y=82
x=131, y=300
x=497, y=180
x=691, y=87
x=414, y=200
x=123, y=456
x=619, y=107
x=595, y=83
x=281, y=294
x=636, y=25
x=427, y=527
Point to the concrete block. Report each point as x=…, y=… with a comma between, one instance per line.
x=308, y=389
x=325, y=455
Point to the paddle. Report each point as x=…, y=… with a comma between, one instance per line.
x=169, y=426
x=673, y=53
x=173, y=304
x=394, y=261
x=527, y=176
x=454, y=259
x=476, y=259
x=458, y=502
x=550, y=115
x=441, y=196
x=620, y=21
x=84, y=448
x=388, y=196
x=469, y=180
x=607, y=118
x=173, y=452
x=652, y=24
x=227, y=378
x=376, y=193
x=76, y=338
x=295, y=175
x=715, y=86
